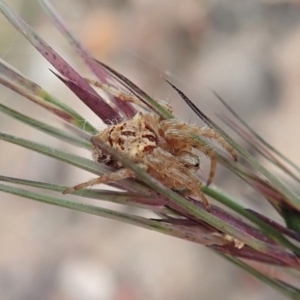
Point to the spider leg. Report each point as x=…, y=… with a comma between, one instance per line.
x=206, y=150
x=173, y=126
x=105, y=178
x=181, y=139
x=213, y=161
x=164, y=166
x=210, y=133
x=114, y=91
x=125, y=96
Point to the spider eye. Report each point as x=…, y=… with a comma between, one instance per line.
x=127, y=133
x=150, y=137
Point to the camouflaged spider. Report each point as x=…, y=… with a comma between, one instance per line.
x=164, y=148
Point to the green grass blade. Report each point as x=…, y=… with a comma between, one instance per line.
x=95, y=210
x=292, y=198
x=198, y=236
x=55, y=132
x=133, y=199
x=258, y=147
x=75, y=160
x=41, y=96
x=266, y=228
x=79, y=121
x=259, y=138
x=292, y=219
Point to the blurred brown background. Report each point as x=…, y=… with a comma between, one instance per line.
x=248, y=51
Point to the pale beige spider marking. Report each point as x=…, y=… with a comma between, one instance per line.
x=164, y=148
x=237, y=243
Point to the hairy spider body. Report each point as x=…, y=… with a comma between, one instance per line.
x=164, y=148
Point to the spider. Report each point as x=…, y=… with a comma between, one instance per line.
x=163, y=148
